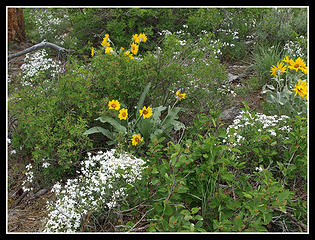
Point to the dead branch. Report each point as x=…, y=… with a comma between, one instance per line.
x=37, y=46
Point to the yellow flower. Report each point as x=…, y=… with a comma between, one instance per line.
x=114, y=104
x=128, y=54
x=134, y=48
x=105, y=43
x=123, y=113
x=298, y=64
x=304, y=69
x=280, y=68
x=109, y=50
x=92, y=51
x=136, y=139
x=146, y=112
x=286, y=59
x=180, y=96
x=301, y=89
x=142, y=37
x=136, y=38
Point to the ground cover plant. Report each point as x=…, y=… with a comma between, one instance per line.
x=127, y=132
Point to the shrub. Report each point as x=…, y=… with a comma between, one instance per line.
x=98, y=192
x=46, y=24
x=177, y=64
x=280, y=25
x=51, y=119
x=264, y=141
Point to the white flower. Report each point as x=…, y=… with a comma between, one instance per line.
x=46, y=164
x=99, y=185
x=259, y=169
x=13, y=151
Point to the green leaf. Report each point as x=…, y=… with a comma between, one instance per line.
x=177, y=125
x=267, y=218
x=130, y=224
x=155, y=181
x=113, y=122
x=247, y=195
x=157, y=113
x=235, y=150
x=168, y=210
x=185, y=212
x=99, y=130
x=283, y=195
x=182, y=189
x=145, y=127
x=194, y=210
x=142, y=97
x=198, y=217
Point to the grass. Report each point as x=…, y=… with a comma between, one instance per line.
x=263, y=58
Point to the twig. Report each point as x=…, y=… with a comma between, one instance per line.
x=302, y=225
x=37, y=46
x=19, y=200
x=140, y=220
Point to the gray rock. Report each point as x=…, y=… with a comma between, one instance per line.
x=231, y=77
x=230, y=114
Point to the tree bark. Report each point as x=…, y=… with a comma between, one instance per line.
x=16, y=30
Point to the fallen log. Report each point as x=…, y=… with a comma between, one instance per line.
x=37, y=46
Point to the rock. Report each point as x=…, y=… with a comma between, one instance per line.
x=231, y=78
x=230, y=114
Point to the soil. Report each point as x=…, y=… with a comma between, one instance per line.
x=27, y=214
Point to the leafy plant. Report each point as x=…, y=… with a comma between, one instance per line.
x=149, y=127
x=281, y=95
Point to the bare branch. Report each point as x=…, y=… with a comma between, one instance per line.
x=37, y=46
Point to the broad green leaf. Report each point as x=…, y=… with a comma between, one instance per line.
x=113, y=122
x=283, y=195
x=157, y=113
x=142, y=97
x=178, y=125
x=99, y=130
x=145, y=128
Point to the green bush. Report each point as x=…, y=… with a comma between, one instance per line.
x=280, y=25
x=52, y=118
x=191, y=67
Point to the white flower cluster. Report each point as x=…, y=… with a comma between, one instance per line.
x=229, y=32
x=260, y=122
x=47, y=23
x=215, y=45
x=38, y=63
x=293, y=49
x=100, y=187
x=29, y=178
